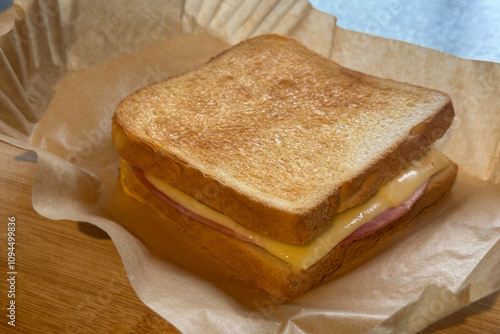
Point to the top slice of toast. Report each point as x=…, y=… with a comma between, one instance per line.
x=276, y=136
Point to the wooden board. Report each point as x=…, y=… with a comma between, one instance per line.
x=70, y=279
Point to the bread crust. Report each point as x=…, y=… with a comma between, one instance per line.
x=268, y=272
x=264, y=211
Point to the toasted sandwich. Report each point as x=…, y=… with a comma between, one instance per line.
x=282, y=163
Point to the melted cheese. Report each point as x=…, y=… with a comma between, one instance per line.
x=343, y=224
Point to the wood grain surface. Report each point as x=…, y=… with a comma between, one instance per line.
x=70, y=278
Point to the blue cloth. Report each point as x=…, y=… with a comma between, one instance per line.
x=464, y=28
x=4, y=4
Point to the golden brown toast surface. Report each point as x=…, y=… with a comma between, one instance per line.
x=276, y=136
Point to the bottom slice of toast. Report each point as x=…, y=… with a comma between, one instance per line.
x=268, y=272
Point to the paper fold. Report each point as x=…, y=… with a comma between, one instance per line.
x=234, y=21
x=66, y=65
x=32, y=61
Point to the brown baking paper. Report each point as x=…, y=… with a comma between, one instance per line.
x=64, y=68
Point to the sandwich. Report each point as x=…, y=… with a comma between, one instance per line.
x=282, y=163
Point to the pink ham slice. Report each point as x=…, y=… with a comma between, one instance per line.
x=385, y=218
x=210, y=223
x=372, y=226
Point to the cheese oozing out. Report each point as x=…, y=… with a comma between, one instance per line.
x=390, y=195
